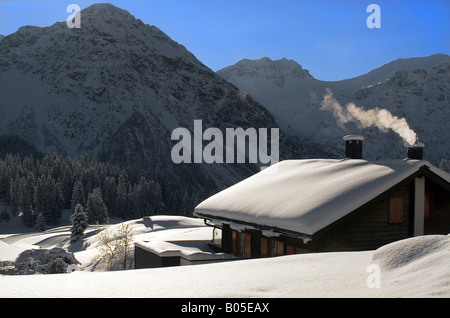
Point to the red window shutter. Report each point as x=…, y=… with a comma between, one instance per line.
x=248, y=245
x=290, y=250
x=234, y=242
x=264, y=246
x=396, y=210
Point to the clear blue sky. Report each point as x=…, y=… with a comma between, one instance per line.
x=330, y=38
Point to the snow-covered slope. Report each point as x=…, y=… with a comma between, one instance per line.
x=74, y=88
x=416, y=89
x=279, y=72
x=416, y=267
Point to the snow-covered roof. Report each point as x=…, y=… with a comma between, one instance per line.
x=188, y=243
x=305, y=196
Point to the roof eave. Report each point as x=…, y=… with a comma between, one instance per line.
x=249, y=225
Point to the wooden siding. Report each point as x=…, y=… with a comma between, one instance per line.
x=366, y=230
x=226, y=238
x=438, y=200
x=371, y=228
x=146, y=259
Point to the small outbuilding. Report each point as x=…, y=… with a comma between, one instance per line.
x=177, y=241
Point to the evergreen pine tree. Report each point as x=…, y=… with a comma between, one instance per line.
x=49, y=199
x=39, y=196
x=157, y=204
x=143, y=197
x=109, y=195
x=27, y=200
x=132, y=206
x=67, y=184
x=445, y=165
x=4, y=181
x=77, y=195
x=79, y=223
x=56, y=201
x=40, y=222
x=121, y=199
x=15, y=193
x=96, y=210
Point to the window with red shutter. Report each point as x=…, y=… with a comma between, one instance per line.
x=290, y=250
x=396, y=210
x=264, y=247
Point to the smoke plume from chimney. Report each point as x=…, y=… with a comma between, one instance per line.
x=377, y=117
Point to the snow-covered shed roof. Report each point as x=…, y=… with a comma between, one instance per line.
x=188, y=243
x=305, y=196
x=178, y=236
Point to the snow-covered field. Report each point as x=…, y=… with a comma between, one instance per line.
x=416, y=267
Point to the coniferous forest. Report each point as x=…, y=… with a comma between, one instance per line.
x=41, y=188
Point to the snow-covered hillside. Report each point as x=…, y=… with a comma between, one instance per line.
x=16, y=239
x=416, y=267
x=415, y=89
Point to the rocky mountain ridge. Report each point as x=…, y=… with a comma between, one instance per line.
x=116, y=88
x=416, y=89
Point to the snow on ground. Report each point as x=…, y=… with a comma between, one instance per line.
x=416, y=267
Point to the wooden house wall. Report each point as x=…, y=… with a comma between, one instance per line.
x=147, y=259
x=437, y=220
x=368, y=229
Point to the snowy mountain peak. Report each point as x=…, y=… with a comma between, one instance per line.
x=116, y=88
x=103, y=15
x=105, y=9
x=278, y=71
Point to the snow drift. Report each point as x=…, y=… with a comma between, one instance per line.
x=416, y=267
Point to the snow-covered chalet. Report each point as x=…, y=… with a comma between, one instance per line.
x=318, y=205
